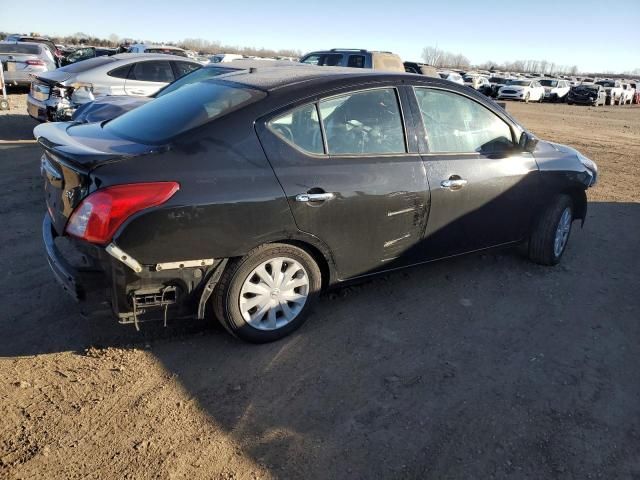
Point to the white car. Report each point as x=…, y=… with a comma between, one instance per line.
x=452, y=76
x=56, y=94
x=522, y=89
x=614, y=91
x=555, y=90
x=628, y=92
x=166, y=49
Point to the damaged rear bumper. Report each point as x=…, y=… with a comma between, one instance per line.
x=135, y=292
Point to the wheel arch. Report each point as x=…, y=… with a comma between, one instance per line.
x=579, y=200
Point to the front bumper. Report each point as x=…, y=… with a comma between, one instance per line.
x=78, y=282
x=511, y=96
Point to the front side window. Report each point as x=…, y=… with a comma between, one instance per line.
x=158, y=71
x=457, y=124
x=367, y=122
x=300, y=127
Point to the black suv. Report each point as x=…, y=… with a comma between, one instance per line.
x=344, y=57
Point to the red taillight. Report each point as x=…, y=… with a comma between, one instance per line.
x=39, y=63
x=99, y=215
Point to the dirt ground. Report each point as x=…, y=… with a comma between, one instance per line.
x=480, y=367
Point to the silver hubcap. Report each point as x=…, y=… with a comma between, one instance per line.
x=274, y=293
x=562, y=232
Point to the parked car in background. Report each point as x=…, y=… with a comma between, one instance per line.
x=421, y=69
x=225, y=57
x=496, y=82
x=479, y=83
x=21, y=60
x=112, y=106
x=613, y=88
x=628, y=94
x=525, y=90
x=454, y=77
x=306, y=160
x=84, y=53
x=636, y=87
x=165, y=49
x=555, y=90
x=337, y=57
x=56, y=95
x=55, y=52
x=587, y=94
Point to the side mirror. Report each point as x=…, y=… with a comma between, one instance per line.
x=528, y=142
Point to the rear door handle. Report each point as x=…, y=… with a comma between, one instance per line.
x=314, y=197
x=454, y=183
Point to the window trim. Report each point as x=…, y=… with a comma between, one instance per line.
x=423, y=127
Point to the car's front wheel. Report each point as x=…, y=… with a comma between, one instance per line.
x=267, y=294
x=551, y=231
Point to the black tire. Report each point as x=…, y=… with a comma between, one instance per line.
x=569, y=103
x=543, y=235
x=226, y=298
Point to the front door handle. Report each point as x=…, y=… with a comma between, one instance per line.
x=454, y=183
x=314, y=197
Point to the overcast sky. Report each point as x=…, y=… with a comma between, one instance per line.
x=595, y=36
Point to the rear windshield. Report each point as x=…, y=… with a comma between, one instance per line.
x=520, y=83
x=549, y=83
x=606, y=83
x=195, y=76
x=28, y=49
x=87, y=64
x=189, y=107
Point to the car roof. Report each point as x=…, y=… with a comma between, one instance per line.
x=277, y=77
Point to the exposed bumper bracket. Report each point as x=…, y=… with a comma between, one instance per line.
x=119, y=254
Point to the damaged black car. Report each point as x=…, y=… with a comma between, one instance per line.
x=242, y=197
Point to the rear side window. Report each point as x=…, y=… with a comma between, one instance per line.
x=457, y=124
x=196, y=76
x=367, y=122
x=191, y=106
x=324, y=59
x=356, y=61
x=300, y=127
x=121, y=72
x=156, y=71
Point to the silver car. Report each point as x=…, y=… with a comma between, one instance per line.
x=21, y=60
x=56, y=95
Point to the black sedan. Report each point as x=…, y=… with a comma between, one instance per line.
x=243, y=197
x=587, y=94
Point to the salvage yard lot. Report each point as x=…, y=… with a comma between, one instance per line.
x=485, y=366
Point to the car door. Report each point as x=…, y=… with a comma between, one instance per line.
x=352, y=180
x=147, y=77
x=482, y=184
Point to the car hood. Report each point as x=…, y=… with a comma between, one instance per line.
x=557, y=157
x=106, y=108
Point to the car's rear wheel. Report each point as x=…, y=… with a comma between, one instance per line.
x=551, y=232
x=267, y=294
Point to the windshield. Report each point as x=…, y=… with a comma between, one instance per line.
x=549, y=83
x=25, y=48
x=87, y=64
x=606, y=83
x=498, y=80
x=191, y=106
x=520, y=83
x=193, y=77
x=581, y=88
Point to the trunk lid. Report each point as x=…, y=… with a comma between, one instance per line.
x=71, y=153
